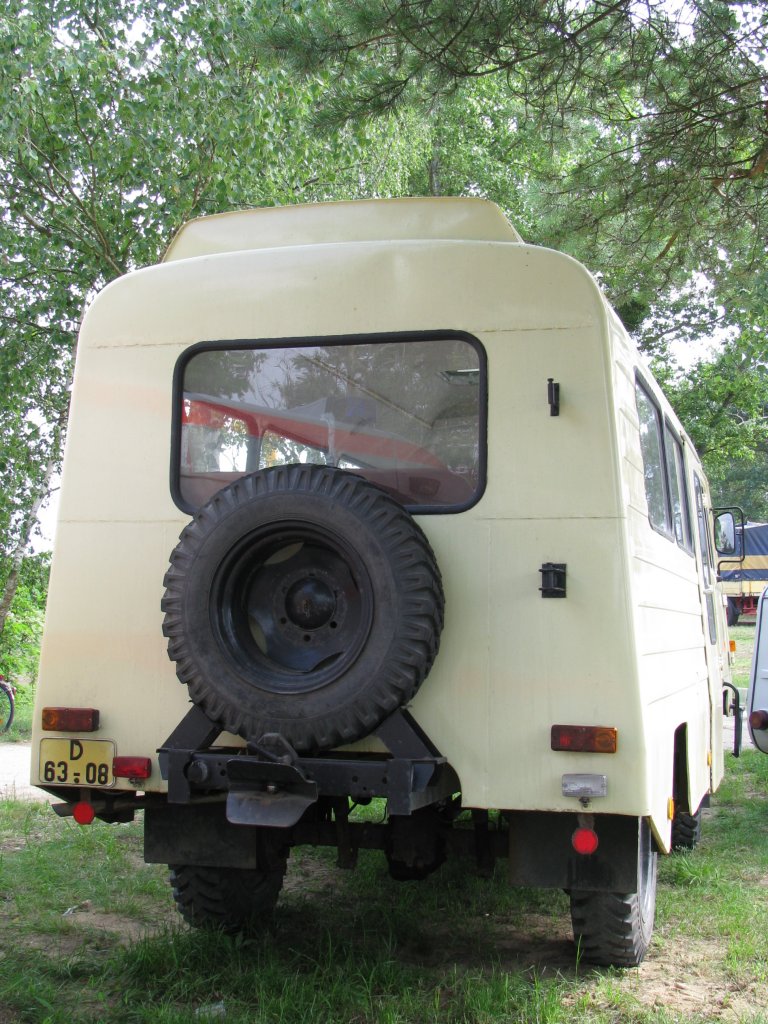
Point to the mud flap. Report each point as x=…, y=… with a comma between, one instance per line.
x=732, y=706
x=267, y=794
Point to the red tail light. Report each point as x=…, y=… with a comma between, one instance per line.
x=83, y=813
x=585, y=841
x=131, y=767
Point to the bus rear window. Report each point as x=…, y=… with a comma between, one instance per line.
x=407, y=414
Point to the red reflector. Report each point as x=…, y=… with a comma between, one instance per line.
x=83, y=813
x=70, y=719
x=585, y=841
x=131, y=767
x=759, y=720
x=584, y=739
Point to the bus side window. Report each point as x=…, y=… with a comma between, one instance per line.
x=707, y=562
x=651, y=444
x=704, y=542
x=678, y=490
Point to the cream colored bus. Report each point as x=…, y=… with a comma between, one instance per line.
x=375, y=501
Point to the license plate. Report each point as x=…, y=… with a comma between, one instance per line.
x=77, y=762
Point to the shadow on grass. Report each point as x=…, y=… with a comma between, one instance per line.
x=359, y=948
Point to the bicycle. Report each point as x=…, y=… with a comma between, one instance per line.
x=7, y=704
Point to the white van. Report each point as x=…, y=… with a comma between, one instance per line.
x=443, y=543
x=757, y=695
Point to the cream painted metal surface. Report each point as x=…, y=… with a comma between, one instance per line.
x=362, y=221
x=757, y=697
x=627, y=648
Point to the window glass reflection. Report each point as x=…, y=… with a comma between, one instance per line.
x=404, y=414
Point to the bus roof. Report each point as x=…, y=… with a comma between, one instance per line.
x=359, y=221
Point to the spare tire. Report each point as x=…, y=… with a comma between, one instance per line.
x=302, y=600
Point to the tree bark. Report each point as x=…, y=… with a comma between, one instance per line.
x=435, y=185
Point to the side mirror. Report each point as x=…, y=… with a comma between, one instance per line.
x=725, y=534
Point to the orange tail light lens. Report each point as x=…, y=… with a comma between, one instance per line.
x=70, y=719
x=585, y=739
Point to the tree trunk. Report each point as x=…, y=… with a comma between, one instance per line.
x=435, y=185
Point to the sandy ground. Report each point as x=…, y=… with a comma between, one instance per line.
x=14, y=773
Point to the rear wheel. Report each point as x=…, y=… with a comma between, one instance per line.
x=230, y=900
x=686, y=830
x=614, y=929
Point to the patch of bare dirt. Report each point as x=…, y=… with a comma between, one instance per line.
x=309, y=876
x=681, y=975
x=58, y=947
x=12, y=846
x=15, y=843
x=684, y=976
x=84, y=922
x=540, y=943
x=124, y=930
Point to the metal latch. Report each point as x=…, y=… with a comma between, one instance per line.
x=552, y=579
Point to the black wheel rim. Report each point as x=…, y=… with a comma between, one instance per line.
x=291, y=607
x=646, y=881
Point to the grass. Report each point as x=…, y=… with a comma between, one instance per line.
x=359, y=950
x=354, y=946
x=744, y=635
x=88, y=934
